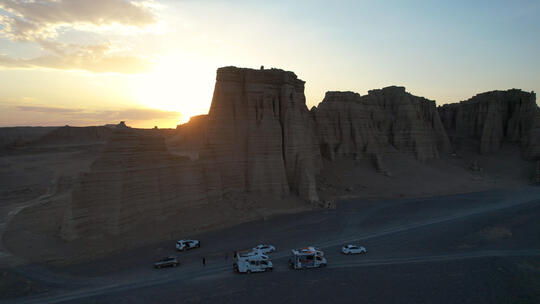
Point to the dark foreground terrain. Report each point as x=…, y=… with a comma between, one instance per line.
x=468, y=248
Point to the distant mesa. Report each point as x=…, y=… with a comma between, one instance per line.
x=80, y=135
x=120, y=125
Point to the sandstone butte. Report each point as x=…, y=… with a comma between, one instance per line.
x=260, y=139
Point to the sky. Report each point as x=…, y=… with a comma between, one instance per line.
x=153, y=63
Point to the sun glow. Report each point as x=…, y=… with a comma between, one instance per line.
x=178, y=84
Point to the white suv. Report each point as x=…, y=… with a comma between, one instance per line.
x=187, y=244
x=264, y=248
x=353, y=249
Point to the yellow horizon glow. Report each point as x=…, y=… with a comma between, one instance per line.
x=168, y=87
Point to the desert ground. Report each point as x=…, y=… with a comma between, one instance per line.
x=480, y=247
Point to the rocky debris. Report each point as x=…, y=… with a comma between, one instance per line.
x=260, y=137
x=327, y=204
x=383, y=121
x=475, y=166
x=379, y=164
x=492, y=118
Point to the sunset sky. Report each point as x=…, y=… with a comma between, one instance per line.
x=152, y=63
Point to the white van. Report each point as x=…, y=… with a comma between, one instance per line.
x=252, y=263
x=305, y=258
x=252, y=253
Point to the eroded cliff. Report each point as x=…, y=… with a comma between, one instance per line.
x=134, y=182
x=260, y=136
x=385, y=120
x=491, y=118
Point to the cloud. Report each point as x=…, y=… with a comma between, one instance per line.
x=31, y=19
x=40, y=22
x=46, y=109
x=66, y=56
x=100, y=115
x=58, y=116
x=17, y=29
x=130, y=114
x=87, y=62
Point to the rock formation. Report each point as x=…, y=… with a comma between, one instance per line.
x=75, y=135
x=260, y=135
x=492, y=118
x=536, y=174
x=258, y=140
x=19, y=136
x=134, y=182
x=188, y=138
x=385, y=120
x=531, y=146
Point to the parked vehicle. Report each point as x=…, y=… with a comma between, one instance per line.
x=264, y=248
x=187, y=244
x=252, y=253
x=170, y=261
x=315, y=250
x=252, y=263
x=305, y=258
x=353, y=249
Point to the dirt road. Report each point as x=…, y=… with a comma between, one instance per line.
x=416, y=238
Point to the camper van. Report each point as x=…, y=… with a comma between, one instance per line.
x=305, y=258
x=252, y=253
x=252, y=263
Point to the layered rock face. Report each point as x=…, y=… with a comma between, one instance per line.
x=260, y=136
x=134, y=182
x=531, y=147
x=492, y=118
x=385, y=120
x=76, y=135
x=19, y=136
x=188, y=139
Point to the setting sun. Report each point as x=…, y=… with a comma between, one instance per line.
x=175, y=84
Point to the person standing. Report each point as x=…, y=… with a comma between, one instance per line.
x=204, y=261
